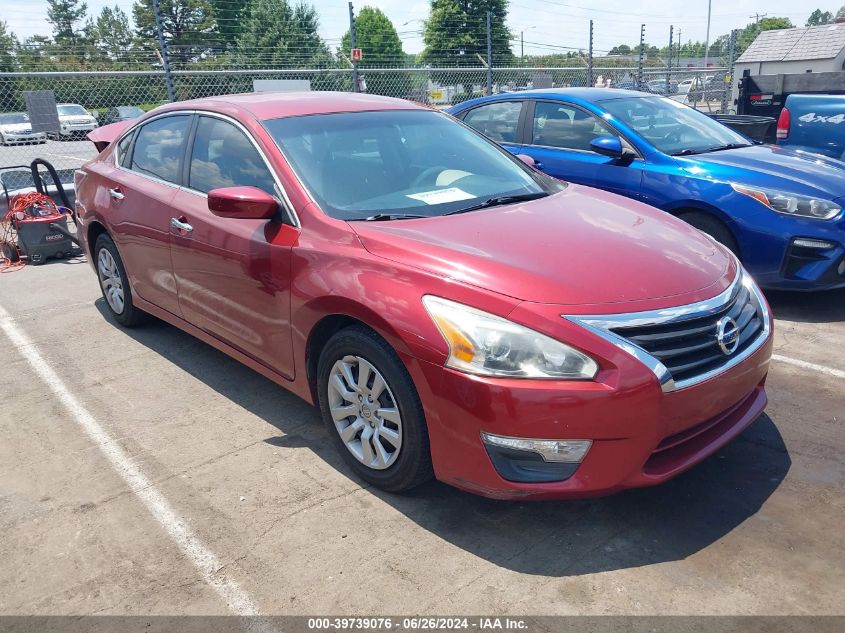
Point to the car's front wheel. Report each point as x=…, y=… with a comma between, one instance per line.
x=372, y=410
x=115, y=284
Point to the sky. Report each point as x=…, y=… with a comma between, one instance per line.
x=543, y=23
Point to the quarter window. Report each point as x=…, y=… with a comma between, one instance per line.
x=159, y=146
x=123, y=149
x=566, y=127
x=223, y=156
x=497, y=121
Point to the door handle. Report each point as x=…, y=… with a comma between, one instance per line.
x=115, y=194
x=179, y=225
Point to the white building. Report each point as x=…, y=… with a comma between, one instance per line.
x=810, y=49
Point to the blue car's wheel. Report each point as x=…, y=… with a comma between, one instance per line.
x=714, y=227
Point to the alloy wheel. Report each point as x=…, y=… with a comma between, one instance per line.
x=110, y=280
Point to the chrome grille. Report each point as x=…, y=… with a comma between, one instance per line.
x=689, y=344
x=690, y=347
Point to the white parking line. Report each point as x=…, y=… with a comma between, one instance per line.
x=239, y=601
x=830, y=371
x=81, y=159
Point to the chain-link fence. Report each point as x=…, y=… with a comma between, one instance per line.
x=109, y=96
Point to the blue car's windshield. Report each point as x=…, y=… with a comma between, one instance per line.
x=672, y=127
x=400, y=163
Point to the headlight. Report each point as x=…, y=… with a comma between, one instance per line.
x=484, y=344
x=791, y=203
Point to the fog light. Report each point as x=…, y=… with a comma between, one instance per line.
x=567, y=451
x=527, y=460
x=841, y=269
x=821, y=245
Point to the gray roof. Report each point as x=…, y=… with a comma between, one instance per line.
x=814, y=42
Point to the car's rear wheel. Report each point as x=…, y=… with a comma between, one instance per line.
x=115, y=284
x=714, y=227
x=372, y=410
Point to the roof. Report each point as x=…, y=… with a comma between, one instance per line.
x=803, y=43
x=589, y=95
x=273, y=105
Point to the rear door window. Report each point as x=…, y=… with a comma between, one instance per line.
x=159, y=147
x=497, y=121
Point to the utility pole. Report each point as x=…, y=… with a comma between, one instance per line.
x=707, y=39
x=356, y=85
x=669, y=69
x=757, y=17
x=489, y=54
x=165, y=57
x=679, y=47
x=640, y=61
x=590, y=59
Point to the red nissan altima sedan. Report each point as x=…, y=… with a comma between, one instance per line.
x=453, y=312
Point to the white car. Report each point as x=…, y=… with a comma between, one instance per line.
x=15, y=128
x=74, y=120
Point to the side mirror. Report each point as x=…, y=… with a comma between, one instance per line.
x=608, y=146
x=525, y=158
x=246, y=203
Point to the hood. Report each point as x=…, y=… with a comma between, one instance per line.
x=16, y=127
x=581, y=246
x=104, y=135
x=776, y=167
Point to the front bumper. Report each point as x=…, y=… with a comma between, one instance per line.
x=641, y=436
x=770, y=248
x=67, y=129
x=28, y=137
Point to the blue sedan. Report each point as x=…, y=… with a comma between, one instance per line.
x=778, y=209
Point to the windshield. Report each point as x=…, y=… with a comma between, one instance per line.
x=66, y=110
x=14, y=117
x=672, y=127
x=399, y=162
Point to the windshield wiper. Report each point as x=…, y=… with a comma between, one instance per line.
x=378, y=217
x=500, y=200
x=707, y=150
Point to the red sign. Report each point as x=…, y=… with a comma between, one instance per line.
x=357, y=54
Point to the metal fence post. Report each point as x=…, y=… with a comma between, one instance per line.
x=165, y=57
x=489, y=54
x=640, y=60
x=356, y=85
x=669, y=67
x=590, y=59
x=729, y=78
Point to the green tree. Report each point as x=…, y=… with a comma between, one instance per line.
x=189, y=27
x=112, y=33
x=229, y=14
x=622, y=49
x=841, y=13
x=274, y=34
x=64, y=16
x=819, y=17
x=456, y=33
x=377, y=38
x=8, y=44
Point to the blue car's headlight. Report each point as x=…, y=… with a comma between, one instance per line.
x=791, y=203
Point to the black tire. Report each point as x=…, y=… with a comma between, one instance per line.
x=413, y=466
x=130, y=316
x=714, y=227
